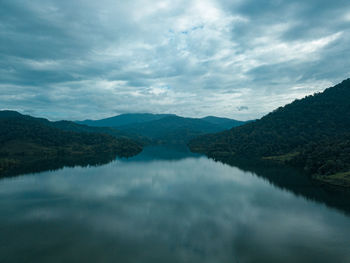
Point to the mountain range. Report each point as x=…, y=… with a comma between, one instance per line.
x=312, y=133
x=163, y=128
x=124, y=119
x=30, y=142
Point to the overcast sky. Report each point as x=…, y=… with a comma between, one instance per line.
x=79, y=59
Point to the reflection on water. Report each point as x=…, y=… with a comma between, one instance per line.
x=295, y=181
x=52, y=164
x=167, y=153
x=182, y=208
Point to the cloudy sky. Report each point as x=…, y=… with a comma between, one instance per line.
x=78, y=59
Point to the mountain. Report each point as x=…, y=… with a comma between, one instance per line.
x=25, y=140
x=171, y=129
x=124, y=119
x=225, y=123
x=75, y=127
x=312, y=133
x=165, y=128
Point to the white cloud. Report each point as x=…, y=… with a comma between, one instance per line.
x=347, y=16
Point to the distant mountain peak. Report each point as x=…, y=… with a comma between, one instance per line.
x=124, y=119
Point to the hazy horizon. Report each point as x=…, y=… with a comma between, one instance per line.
x=111, y=116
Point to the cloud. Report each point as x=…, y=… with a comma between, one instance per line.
x=86, y=59
x=242, y=108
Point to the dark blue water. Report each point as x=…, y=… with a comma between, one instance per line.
x=168, y=205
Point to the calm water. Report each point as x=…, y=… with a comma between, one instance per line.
x=168, y=205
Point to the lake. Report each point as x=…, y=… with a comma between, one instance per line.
x=169, y=205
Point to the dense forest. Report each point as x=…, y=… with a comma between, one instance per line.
x=312, y=133
x=25, y=140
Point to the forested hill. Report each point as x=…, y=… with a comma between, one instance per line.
x=124, y=119
x=164, y=128
x=25, y=139
x=313, y=133
x=133, y=119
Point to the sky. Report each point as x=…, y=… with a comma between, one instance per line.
x=88, y=59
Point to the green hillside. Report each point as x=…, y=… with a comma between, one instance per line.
x=312, y=133
x=25, y=140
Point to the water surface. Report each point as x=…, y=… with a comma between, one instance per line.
x=168, y=205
